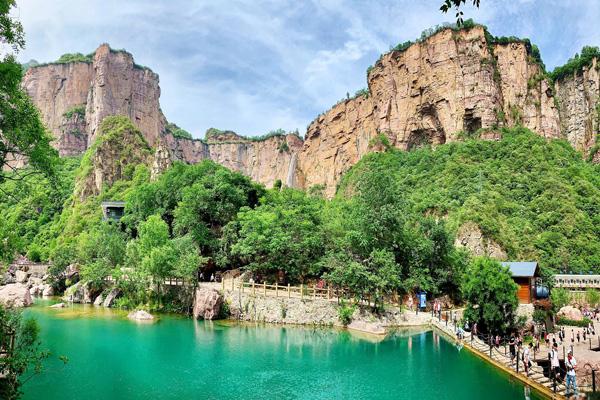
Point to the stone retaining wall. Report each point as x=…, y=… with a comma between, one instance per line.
x=284, y=310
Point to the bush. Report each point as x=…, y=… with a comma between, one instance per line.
x=570, y=322
x=345, y=313
x=560, y=297
x=592, y=297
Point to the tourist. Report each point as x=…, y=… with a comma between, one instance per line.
x=554, y=363
x=572, y=337
x=212, y=277
x=547, y=339
x=512, y=348
x=497, y=341
x=570, y=364
x=526, y=358
x=410, y=303
x=584, y=334
x=467, y=325
x=474, y=330
x=578, y=337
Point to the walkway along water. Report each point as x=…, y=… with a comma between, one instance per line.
x=538, y=377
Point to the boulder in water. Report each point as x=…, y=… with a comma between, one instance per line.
x=58, y=305
x=207, y=303
x=110, y=297
x=140, y=315
x=78, y=293
x=99, y=300
x=15, y=295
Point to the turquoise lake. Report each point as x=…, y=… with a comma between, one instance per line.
x=111, y=357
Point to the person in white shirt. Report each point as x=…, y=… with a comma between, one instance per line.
x=554, y=363
x=571, y=363
x=526, y=358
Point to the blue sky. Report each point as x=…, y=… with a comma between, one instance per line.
x=253, y=66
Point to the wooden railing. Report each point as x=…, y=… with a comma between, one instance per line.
x=303, y=292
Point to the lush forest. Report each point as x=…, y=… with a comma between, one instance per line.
x=390, y=228
x=537, y=199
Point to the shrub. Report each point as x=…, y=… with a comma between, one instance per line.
x=592, y=297
x=560, y=297
x=345, y=313
x=570, y=322
x=77, y=110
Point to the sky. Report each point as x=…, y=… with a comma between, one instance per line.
x=254, y=66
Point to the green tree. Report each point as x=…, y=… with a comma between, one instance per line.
x=283, y=234
x=592, y=297
x=491, y=294
x=23, y=134
x=20, y=346
x=560, y=297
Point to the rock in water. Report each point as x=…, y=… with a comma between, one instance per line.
x=58, y=305
x=140, y=315
x=207, y=303
x=110, y=297
x=15, y=295
x=78, y=293
x=99, y=300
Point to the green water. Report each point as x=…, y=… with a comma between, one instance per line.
x=177, y=358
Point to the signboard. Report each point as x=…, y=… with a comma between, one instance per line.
x=422, y=300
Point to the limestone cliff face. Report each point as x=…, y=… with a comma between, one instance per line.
x=433, y=92
x=264, y=161
x=579, y=107
x=426, y=95
x=56, y=89
x=119, y=87
x=108, y=84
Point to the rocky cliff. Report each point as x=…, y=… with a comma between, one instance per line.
x=74, y=97
x=447, y=86
x=579, y=107
x=450, y=85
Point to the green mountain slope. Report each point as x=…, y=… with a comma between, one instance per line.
x=537, y=199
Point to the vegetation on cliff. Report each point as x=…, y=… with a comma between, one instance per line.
x=177, y=132
x=536, y=198
x=585, y=59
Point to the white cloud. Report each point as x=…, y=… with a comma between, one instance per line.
x=253, y=66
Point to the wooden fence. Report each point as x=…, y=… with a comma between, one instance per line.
x=303, y=292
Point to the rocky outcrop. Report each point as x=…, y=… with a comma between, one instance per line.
x=451, y=83
x=15, y=295
x=111, y=296
x=119, y=145
x=578, y=97
x=57, y=89
x=207, y=303
x=432, y=92
x=78, y=293
x=470, y=237
x=108, y=83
